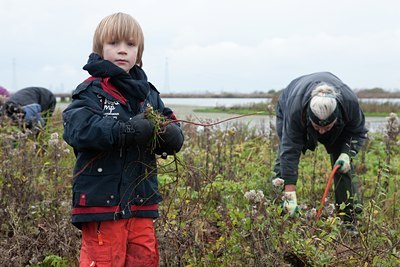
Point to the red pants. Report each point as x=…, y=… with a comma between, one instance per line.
x=121, y=243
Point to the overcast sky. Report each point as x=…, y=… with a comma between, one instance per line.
x=208, y=45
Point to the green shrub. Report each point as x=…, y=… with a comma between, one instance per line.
x=220, y=207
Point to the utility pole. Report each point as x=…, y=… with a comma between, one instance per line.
x=14, y=75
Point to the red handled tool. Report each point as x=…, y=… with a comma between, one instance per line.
x=328, y=186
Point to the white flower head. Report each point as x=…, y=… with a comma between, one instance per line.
x=303, y=206
x=53, y=142
x=54, y=136
x=330, y=208
x=312, y=213
x=278, y=182
x=254, y=196
x=392, y=117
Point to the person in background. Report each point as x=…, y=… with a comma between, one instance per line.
x=314, y=108
x=115, y=187
x=4, y=92
x=4, y=95
x=30, y=106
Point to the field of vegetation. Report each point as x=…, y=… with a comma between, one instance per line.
x=220, y=207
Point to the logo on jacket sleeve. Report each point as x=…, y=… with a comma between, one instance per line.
x=110, y=108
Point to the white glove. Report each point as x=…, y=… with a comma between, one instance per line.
x=344, y=161
x=290, y=202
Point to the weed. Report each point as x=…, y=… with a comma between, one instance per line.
x=219, y=208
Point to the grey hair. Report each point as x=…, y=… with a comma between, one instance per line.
x=323, y=100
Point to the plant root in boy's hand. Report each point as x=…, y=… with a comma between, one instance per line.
x=155, y=117
x=158, y=121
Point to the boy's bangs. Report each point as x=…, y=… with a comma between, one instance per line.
x=122, y=30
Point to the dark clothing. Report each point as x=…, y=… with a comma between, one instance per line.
x=346, y=191
x=111, y=181
x=296, y=133
x=35, y=104
x=35, y=95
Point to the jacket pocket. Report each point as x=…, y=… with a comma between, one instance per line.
x=98, y=255
x=96, y=190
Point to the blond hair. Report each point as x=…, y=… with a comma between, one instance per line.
x=323, y=100
x=119, y=26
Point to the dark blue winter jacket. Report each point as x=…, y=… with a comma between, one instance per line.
x=110, y=181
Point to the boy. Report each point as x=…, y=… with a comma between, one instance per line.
x=115, y=189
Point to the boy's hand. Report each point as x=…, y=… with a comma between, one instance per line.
x=170, y=140
x=344, y=161
x=138, y=130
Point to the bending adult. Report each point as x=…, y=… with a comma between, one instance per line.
x=314, y=108
x=32, y=105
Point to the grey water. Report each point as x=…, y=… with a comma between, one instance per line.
x=185, y=108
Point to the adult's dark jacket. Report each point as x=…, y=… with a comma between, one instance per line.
x=111, y=181
x=34, y=95
x=296, y=133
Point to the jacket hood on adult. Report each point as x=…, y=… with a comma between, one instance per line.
x=298, y=94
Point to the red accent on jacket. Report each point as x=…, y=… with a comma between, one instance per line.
x=90, y=210
x=109, y=88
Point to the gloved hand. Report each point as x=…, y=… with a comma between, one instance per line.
x=32, y=117
x=290, y=203
x=170, y=140
x=138, y=130
x=12, y=108
x=344, y=161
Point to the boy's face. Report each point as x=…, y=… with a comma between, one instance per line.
x=121, y=53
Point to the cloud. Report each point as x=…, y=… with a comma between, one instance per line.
x=209, y=45
x=242, y=67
